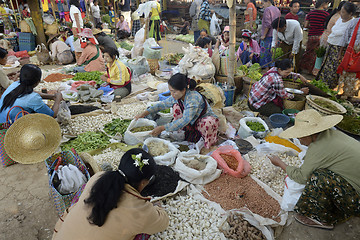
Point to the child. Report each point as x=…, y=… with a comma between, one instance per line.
x=223, y=42
x=205, y=44
x=249, y=50
x=112, y=15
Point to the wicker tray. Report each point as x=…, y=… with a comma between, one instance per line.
x=310, y=104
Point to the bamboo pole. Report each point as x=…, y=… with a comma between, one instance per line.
x=12, y=6
x=53, y=9
x=232, y=61
x=20, y=14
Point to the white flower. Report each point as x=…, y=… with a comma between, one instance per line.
x=136, y=163
x=145, y=161
x=138, y=156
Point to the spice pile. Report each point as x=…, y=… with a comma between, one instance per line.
x=282, y=141
x=111, y=156
x=235, y=193
x=240, y=229
x=190, y=219
x=265, y=171
x=57, y=77
x=166, y=181
x=230, y=161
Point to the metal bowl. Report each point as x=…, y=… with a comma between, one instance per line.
x=293, y=90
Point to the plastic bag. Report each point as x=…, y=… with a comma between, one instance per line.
x=292, y=193
x=131, y=138
x=245, y=131
x=136, y=51
x=202, y=71
x=71, y=179
x=138, y=65
x=214, y=26
x=243, y=168
x=204, y=176
x=150, y=53
x=273, y=148
x=42, y=54
x=70, y=95
x=168, y=158
x=64, y=113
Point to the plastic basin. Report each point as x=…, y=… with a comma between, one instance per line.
x=291, y=114
x=279, y=120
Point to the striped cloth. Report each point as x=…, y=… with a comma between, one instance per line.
x=316, y=20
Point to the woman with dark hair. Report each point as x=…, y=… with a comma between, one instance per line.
x=21, y=93
x=223, y=41
x=111, y=206
x=5, y=82
x=330, y=64
x=77, y=25
x=204, y=33
x=118, y=75
x=250, y=15
x=249, y=50
x=266, y=95
x=104, y=40
x=205, y=44
x=314, y=22
x=270, y=14
x=191, y=112
x=330, y=22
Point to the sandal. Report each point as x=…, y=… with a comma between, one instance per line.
x=312, y=222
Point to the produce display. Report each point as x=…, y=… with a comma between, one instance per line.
x=190, y=219
x=323, y=87
x=129, y=111
x=255, y=126
x=50, y=86
x=282, y=141
x=173, y=58
x=56, y=77
x=240, y=229
x=185, y=38
x=165, y=111
x=166, y=181
x=109, y=156
x=117, y=125
x=195, y=164
x=278, y=53
x=230, y=161
x=126, y=45
x=253, y=72
x=326, y=104
x=350, y=124
x=157, y=148
x=142, y=129
x=235, y=193
x=89, y=76
x=87, y=141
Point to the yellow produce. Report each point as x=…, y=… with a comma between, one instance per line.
x=282, y=141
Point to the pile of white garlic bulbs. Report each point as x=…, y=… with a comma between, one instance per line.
x=109, y=155
x=129, y=111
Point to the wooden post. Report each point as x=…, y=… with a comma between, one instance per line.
x=232, y=60
x=18, y=8
x=53, y=9
x=115, y=14
x=38, y=21
x=146, y=33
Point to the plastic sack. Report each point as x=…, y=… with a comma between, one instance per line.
x=178, y=135
x=214, y=26
x=150, y=53
x=168, y=158
x=164, y=118
x=48, y=19
x=145, y=8
x=64, y=113
x=202, y=71
x=136, y=51
x=138, y=65
x=204, y=176
x=243, y=168
x=245, y=131
x=70, y=95
x=42, y=54
x=71, y=179
x=273, y=148
x=139, y=137
x=292, y=193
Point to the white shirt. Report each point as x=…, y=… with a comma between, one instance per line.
x=95, y=10
x=293, y=35
x=337, y=32
x=74, y=10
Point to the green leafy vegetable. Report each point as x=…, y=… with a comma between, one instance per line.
x=116, y=126
x=256, y=126
x=278, y=53
x=185, y=38
x=323, y=87
x=87, y=141
x=165, y=111
x=320, y=52
x=89, y=76
x=126, y=45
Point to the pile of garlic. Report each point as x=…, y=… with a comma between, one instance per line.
x=112, y=156
x=269, y=174
x=190, y=219
x=81, y=124
x=129, y=111
x=48, y=85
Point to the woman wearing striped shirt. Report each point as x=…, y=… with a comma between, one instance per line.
x=314, y=22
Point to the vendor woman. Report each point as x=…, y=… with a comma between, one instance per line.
x=111, y=206
x=266, y=95
x=21, y=93
x=91, y=58
x=330, y=171
x=5, y=82
x=191, y=112
x=118, y=75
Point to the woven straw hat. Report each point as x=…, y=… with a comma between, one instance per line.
x=96, y=31
x=52, y=37
x=32, y=138
x=309, y=122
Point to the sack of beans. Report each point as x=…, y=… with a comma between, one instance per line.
x=231, y=161
x=163, y=151
x=196, y=168
x=138, y=131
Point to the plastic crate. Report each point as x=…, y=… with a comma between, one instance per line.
x=26, y=37
x=28, y=46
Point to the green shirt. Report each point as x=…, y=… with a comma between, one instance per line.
x=334, y=151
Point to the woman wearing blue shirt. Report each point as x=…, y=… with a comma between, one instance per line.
x=21, y=93
x=191, y=112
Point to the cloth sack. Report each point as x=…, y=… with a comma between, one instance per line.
x=131, y=138
x=166, y=159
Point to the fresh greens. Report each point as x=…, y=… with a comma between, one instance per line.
x=278, y=53
x=185, y=38
x=323, y=87
x=253, y=72
x=165, y=111
x=320, y=52
x=255, y=126
x=126, y=45
x=87, y=141
x=117, y=125
x=89, y=76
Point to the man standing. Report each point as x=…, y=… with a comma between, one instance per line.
x=204, y=16
x=126, y=10
x=294, y=9
x=194, y=14
x=95, y=9
x=290, y=35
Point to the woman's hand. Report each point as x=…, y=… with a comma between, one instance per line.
x=104, y=78
x=58, y=97
x=277, y=162
x=157, y=130
x=305, y=90
x=303, y=79
x=141, y=115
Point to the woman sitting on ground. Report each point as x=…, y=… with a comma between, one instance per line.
x=330, y=171
x=60, y=51
x=205, y=44
x=223, y=41
x=249, y=49
x=111, y=206
x=21, y=93
x=91, y=58
x=118, y=75
x=203, y=34
x=266, y=95
x=5, y=82
x=104, y=40
x=191, y=112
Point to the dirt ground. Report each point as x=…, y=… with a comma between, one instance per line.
x=27, y=212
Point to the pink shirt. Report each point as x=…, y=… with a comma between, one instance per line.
x=255, y=48
x=123, y=26
x=89, y=52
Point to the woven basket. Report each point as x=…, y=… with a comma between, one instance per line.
x=237, y=79
x=209, y=80
x=24, y=27
x=153, y=65
x=310, y=104
x=247, y=83
x=289, y=84
x=297, y=104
